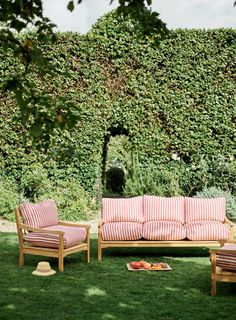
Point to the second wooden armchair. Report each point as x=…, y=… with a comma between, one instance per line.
x=223, y=264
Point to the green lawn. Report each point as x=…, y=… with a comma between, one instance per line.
x=106, y=290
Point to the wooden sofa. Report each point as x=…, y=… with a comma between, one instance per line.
x=153, y=221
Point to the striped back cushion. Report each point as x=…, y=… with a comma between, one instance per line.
x=205, y=209
x=122, y=209
x=163, y=209
x=40, y=215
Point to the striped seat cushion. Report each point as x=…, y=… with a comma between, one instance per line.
x=164, y=230
x=40, y=215
x=122, y=209
x=226, y=260
x=207, y=230
x=163, y=209
x=122, y=231
x=205, y=209
x=72, y=236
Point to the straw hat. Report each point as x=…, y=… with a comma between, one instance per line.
x=43, y=269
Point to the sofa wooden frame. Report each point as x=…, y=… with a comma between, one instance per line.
x=217, y=273
x=103, y=244
x=60, y=252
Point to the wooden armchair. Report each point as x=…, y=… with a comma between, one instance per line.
x=40, y=233
x=223, y=264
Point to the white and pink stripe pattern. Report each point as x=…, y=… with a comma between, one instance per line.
x=163, y=230
x=163, y=209
x=72, y=236
x=122, y=231
x=213, y=209
x=122, y=209
x=226, y=260
x=207, y=230
x=40, y=215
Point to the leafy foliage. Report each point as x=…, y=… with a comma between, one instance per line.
x=175, y=103
x=162, y=181
x=9, y=198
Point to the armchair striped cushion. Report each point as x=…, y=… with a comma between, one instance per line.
x=39, y=215
x=72, y=236
x=226, y=260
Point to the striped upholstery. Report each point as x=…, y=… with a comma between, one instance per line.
x=40, y=215
x=227, y=261
x=72, y=236
x=122, y=231
x=163, y=209
x=207, y=230
x=122, y=209
x=213, y=209
x=164, y=230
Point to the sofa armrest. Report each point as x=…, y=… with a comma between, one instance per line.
x=231, y=224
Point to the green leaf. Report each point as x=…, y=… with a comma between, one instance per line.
x=70, y=6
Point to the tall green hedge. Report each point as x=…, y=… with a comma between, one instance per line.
x=175, y=102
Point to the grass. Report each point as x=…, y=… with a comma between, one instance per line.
x=106, y=290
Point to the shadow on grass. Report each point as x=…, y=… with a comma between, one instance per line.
x=106, y=290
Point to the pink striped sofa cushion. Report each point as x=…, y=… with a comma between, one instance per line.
x=163, y=209
x=72, y=236
x=226, y=260
x=122, y=209
x=40, y=215
x=207, y=230
x=205, y=209
x=122, y=231
x=164, y=230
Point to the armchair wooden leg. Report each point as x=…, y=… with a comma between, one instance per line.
x=213, y=288
x=21, y=258
x=60, y=254
x=99, y=252
x=213, y=273
x=61, y=263
x=88, y=247
x=87, y=252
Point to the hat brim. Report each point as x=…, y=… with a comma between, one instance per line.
x=44, y=274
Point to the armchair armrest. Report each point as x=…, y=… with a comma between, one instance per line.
x=40, y=230
x=220, y=250
x=71, y=224
x=215, y=251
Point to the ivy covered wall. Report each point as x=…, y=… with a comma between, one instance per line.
x=175, y=102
